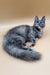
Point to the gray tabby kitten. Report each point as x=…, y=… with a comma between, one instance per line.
x=16, y=38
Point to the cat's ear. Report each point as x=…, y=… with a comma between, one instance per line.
x=43, y=19
x=36, y=19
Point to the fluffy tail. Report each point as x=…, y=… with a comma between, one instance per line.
x=24, y=53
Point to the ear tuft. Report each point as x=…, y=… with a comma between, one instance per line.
x=43, y=19
x=36, y=19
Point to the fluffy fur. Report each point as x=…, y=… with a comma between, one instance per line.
x=16, y=38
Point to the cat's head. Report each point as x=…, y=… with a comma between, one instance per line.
x=40, y=23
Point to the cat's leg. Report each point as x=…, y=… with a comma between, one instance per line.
x=22, y=40
x=40, y=34
x=18, y=40
x=32, y=40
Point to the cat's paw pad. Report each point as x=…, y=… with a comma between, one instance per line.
x=29, y=44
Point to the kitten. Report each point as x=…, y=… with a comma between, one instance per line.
x=16, y=38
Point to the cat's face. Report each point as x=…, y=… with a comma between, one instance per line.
x=40, y=23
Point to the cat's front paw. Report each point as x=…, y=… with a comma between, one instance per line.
x=30, y=44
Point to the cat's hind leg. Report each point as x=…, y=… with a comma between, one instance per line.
x=32, y=40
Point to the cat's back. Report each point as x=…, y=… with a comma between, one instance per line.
x=21, y=30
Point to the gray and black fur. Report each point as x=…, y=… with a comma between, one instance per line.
x=16, y=38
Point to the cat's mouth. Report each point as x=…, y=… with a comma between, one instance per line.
x=38, y=28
